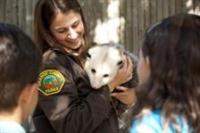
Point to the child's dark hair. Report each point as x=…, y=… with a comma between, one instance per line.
x=20, y=62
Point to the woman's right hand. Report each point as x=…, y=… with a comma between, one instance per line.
x=124, y=74
x=126, y=95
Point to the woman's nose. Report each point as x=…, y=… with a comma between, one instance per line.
x=72, y=34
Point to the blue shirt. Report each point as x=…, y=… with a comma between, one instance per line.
x=11, y=127
x=152, y=123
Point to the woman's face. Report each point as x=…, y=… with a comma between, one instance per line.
x=68, y=29
x=143, y=68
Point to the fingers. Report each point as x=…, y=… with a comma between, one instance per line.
x=124, y=74
x=128, y=61
x=129, y=68
x=122, y=93
x=121, y=96
x=125, y=65
x=121, y=88
x=118, y=95
x=129, y=64
x=127, y=96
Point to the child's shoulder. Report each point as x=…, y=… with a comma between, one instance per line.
x=149, y=122
x=152, y=122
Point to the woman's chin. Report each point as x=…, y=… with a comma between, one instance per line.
x=76, y=46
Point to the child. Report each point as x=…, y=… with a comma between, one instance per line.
x=169, y=77
x=20, y=61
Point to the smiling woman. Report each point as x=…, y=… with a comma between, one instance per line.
x=67, y=102
x=60, y=24
x=68, y=30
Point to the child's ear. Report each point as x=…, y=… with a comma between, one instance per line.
x=147, y=60
x=28, y=92
x=28, y=100
x=148, y=63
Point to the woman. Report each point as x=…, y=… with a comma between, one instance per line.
x=67, y=103
x=169, y=76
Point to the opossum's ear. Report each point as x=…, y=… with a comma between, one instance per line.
x=88, y=55
x=94, y=44
x=119, y=63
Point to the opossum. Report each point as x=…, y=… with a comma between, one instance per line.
x=102, y=64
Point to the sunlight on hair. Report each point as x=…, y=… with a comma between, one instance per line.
x=108, y=30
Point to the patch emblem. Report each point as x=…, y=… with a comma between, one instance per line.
x=51, y=82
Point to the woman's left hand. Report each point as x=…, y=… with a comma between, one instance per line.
x=126, y=95
x=124, y=74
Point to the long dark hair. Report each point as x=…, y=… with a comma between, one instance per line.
x=173, y=49
x=45, y=11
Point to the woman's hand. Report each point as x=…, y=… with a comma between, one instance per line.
x=124, y=74
x=125, y=95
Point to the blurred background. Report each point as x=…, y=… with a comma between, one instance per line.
x=122, y=21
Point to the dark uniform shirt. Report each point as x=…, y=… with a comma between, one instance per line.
x=75, y=107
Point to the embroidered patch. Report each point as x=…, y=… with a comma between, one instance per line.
x=51, y=82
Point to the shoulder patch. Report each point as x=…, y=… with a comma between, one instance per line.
x=50, y=82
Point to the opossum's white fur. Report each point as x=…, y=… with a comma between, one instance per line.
x=103, y=63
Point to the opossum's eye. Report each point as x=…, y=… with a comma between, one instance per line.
x=105, y=75
x=88, y=55
x=119, y=62
x=93, y=70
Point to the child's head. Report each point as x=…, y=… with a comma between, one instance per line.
x=169, y=67
x=20, y=61
x=60, y=24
